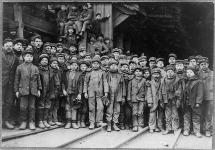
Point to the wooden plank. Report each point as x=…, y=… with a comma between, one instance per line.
x=119, y=19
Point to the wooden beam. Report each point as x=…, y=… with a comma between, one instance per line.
x=119, y=19
x=18, y=18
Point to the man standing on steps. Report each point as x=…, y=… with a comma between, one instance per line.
x=9, y=64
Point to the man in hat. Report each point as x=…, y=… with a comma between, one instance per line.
x=142, y=61
x=95, y=87
x=206, y=75
x=27, y=87
x=172, y=58
x=104, y=63
x=152, y=62
x=116, y=97
x=194, y=97
x=160, y=65
x=155, y=103
x=136, y=95
x=171, y=90
x=37, y=49
x=9, y=65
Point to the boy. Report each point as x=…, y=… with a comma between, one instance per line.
x=95, y=87
x=47, y=48
x=171, y=90
x=82, y=113
x=154, y=102
x=136, y=96
x=206, y=75
x=142, y=61
x=160, y=65
x=27, y=87
x=9, y=64
x=135, y=58
x=172, y=58
x=116, y=95
x=125, y=118
x=192, y=61
x=62, y=18
x=194, y=97
x=104, y=63
x=73, y=90
x=152, y=62
x=116, y=53
x=132, y=66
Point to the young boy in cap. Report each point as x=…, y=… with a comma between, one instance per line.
x=155, y=103
x=50, y=86
x=82, y=52
x=206, y=75
x=95, y=87
x=152, y=62
x=73, y=90
x=82, y=113
x=116, y=53
x=27, y=87
x=132, y=66
x=116, y=95
x=192, y=61
x=160, y=65
x=104, y=63
x=171, y=89
x=172, y=58
x=53, y=50
x=18, y=48
x=47, y=48
x=125, y=118
x=136, y=96
x=194, y=97
x=9, y=64
x=135, y=58
x=59, y=47
x=142, y=61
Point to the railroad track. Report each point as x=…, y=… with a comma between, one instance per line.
x=100, y=138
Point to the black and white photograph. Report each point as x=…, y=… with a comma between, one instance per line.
x=107, y=75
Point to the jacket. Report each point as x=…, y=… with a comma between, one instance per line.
x=207, y=79
x=118, y=86
x=102, y=84
x=171, y=89
x=194, y=92
x=50, y=82
x=27, y=83
x=9, y=70
x=136, y=90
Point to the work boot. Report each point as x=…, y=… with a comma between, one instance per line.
x=75, y=126
x=198, y=134
x=68, y=125
x=101, y=124
x=46, y=124
x=32, y=125
x=83, y=125
x=122, y=127
x=208, y=134
x=135, y=129
x=165, y=132
x=58, y=123
x=109, y=128
x=151, y=131
x=92, y=126
x=79, y=124
x=23, y=126
x=51, y=123
x=8, y=125
x=186, y=133
x=41, y=125
x=115, y=127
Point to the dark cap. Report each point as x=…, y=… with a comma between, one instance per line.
x=172, y=55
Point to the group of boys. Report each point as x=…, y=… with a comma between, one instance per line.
x=115, y=89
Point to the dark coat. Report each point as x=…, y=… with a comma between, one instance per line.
x=77, y=88
x=27, y=83
x=8, y=70
x=194, y=92
x=136, y=90
x=50, y=82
